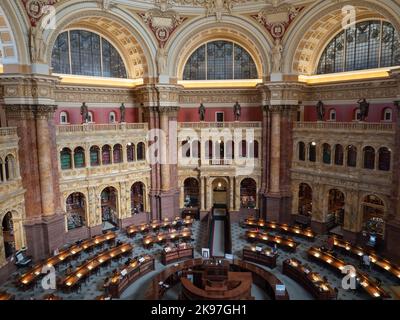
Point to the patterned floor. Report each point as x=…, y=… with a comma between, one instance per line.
x=93, y=287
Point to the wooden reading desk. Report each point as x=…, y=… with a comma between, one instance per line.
x=174, y=253
x=306, y=233
x=157, y=224
x=259, y=255
x=29, y=278
x=261, y=236
x=309, y=280
x=367, y=284
x=127, y=275
x=161, y=237
x=357, y=251
x=92, y=264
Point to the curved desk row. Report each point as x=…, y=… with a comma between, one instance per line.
x=33, y=274
x=306, y=233
x=172, y=275
x=261, y=236
x=161, y=237
x=309, y=280
x=157, y=224
x=263, y=256
x=376, y=260
x=367, y=284
x=6, y=296
x=127, y=275
x=92, y=264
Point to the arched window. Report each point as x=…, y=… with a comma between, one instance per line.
x=305, y=200
x=90, y=116
x=8, y=234
x=365, y=45
x=326, y=153
x=79, y=157
x=137, y=198
x=351, y=156
x=141, y=151
x=112, y=117
x=387, y=114
x=106, y=155
x=10, y=167
x=373, y=215
x=1, y=170
x=369, y=158
x=85, y=53
x=65, y=158
x=332, y=115
x=339, y=155
x=220, y=60
x=243, y=149
x=117, y=153
x=195, y=149
x=384, y=159
x=209, y=149
x=230, y=150
x=312, y=152
x=130, y=151
x=253, y=149
x=357, y=114
x=302, y=151
x=191, y=192
x=248, y=193
x=185, y=149
x=63, y=117
x=76, y=210
x=219, y=149
x=94, y=156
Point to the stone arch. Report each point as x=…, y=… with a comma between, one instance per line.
x=130, y=38
x=73, y=210
x=307, y=40
x=18, y=230
x=234, y=29
x=10, y=50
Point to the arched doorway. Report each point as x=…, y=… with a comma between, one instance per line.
x=191, y=193
x=76, y=210
x=109, y=208
x=373, y=223
x=248, y=193
x=8, y=234
x=137, y=198
x=336, y=206
x=220, y=192
x=305, y=200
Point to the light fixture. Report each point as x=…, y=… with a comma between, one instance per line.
x=313, y=143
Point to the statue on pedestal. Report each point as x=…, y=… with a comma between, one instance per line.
x=122, y=111
x=320, y=110
x=364, y=108
x=202, y=112
x=237, y=109
x=85, y=113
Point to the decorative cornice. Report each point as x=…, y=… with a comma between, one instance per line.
x=30, y=111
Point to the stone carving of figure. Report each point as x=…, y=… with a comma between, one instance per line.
x=237, y=111
x=202, y=112
x=161, y=60
x=36, y=45
x=320, y=110
x=364, y=108
x=122, y=111
x=277, y=56
x=217, y=7
x=85, y=113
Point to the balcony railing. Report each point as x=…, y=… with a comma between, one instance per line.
x=229, y=125
x=77, y=128
x=345, y=126
x=8, y=131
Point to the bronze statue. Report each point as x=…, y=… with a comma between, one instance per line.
x=122, y=110
x=85, y=113
x=237, y=111
x=320, y=110
x=202, y=112
x=364, y=108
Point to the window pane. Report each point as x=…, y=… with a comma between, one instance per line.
x=60, y=54
x=195, y=68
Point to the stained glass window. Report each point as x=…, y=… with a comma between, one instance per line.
x=220, y=60
x=365, y=45
x=85, y=53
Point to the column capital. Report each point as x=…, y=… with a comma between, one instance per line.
x=281, y=93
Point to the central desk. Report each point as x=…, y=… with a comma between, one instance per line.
x=172, y=275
